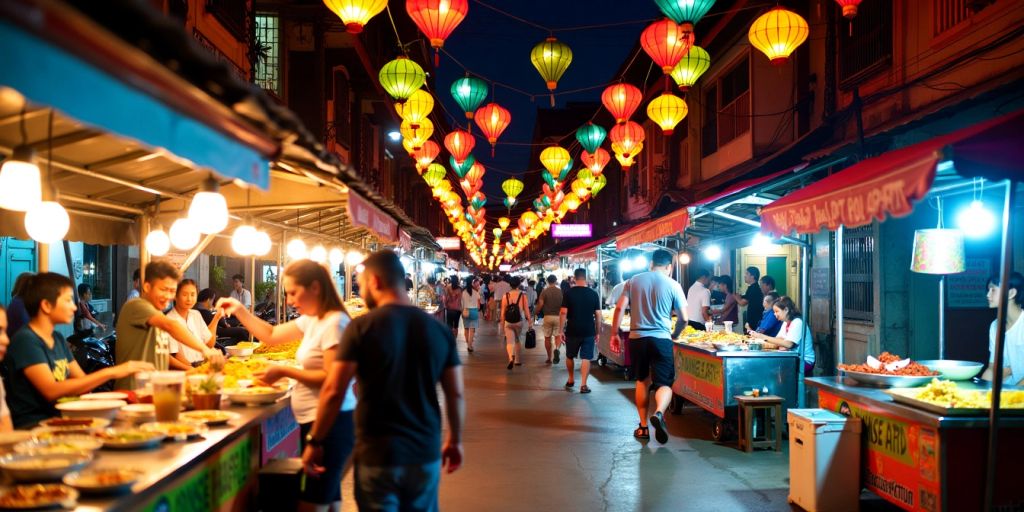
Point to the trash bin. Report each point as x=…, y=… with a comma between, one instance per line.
x=824, y=460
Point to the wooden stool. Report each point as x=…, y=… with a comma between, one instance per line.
x=747, y=406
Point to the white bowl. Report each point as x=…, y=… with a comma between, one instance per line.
x=91, y=408
x=239, y=352
x=109, y=395
x=9, y=439
x=43, y=468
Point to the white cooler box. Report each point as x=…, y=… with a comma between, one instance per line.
x=824, y=460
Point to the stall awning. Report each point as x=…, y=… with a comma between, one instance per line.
x=363, y=213
x=671, y=224
x=743, y=186
x=585, y=251
x=891, y=183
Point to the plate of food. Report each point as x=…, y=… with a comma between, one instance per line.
x=129, y=438
x=256, y=395
x=889, y=370
x=104, y=480
x=9, y=439
x=81, y=424
x=64, y=444
x=177, y=430
x=210, y=417
x=109, y=395
x=947, y=398
x=38, y=496
x=23, y=467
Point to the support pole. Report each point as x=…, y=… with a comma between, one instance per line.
x=252, y=288
x=1005, y=269
x=840, y=340
x=804, y=302
x=282, y=309
x=942, y=316
x=144, y=226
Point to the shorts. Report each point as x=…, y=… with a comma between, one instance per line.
x=472, y=320
x=513, y=332
x=452, y=317
x=652, y=357
x=392, y=488
x=581, y=347
x=549, y=327
x=326, y=488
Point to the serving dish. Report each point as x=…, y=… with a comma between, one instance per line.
x=130, y=438
x=104, y=481
x=887, y=381
x=954, y=370
x=43, y=468
x=91, y=408
x=38, y=497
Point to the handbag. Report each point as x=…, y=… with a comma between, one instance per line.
x=531, y=339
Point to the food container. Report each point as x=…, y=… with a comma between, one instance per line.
x=43, y=468
x=130, y=439
x=755, y=346
x=103, y=481
x=106, y=409
x=255, y=396
x=234, y=351
x=9, y=439
x=954, y=370
x=878, y=380
x=63, y=444
x=138, y=413
x=38, y=496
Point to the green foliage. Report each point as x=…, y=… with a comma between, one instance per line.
x=218, y=279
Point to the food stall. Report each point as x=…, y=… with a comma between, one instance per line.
x=928, y=438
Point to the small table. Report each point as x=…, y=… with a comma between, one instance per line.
x=747, y=408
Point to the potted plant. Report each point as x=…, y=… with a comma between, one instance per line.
x=207, y=393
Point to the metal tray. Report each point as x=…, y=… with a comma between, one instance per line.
x=907, y=396
x=888, y=381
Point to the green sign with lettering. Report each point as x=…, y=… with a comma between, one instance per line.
x=215, y=483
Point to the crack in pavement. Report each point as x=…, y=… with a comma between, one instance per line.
x=620, y=455
x=746, y=483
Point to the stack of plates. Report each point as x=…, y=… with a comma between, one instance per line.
x=138, y=413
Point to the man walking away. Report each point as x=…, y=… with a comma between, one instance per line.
x=399, y=353
x=698, y=305
x=653, y=296
x=498, y=291
x=580, y=323
x=549, y=304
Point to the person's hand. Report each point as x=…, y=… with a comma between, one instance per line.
x=229, y=306
x=313, y=460
x=562, y=337
x=451, y=456
x=131, y=368
x=616, y=343
x=270, y=374
x=758, y=335
x=746, y=327
x=215, y=357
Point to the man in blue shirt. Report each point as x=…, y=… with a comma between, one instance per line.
x=769, y=324
x=652, y=296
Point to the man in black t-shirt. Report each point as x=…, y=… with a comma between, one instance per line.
x=399, y=354
x=580, y=323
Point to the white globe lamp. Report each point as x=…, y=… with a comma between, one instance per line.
x=47, y=222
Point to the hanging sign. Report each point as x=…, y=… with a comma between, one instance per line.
x=572, y=230
x=449, y=243
x=504, y=268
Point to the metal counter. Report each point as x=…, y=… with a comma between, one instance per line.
x=604, y=347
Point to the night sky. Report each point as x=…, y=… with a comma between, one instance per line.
x=497, y=48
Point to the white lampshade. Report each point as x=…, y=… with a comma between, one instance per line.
x=243, y=240
x=157, y=242
x=354, y=258
x=938, y=251
x=183, y=234
x=47, y=222
x=336, y=256
x=209, y=209
x=20, y=185
x=262, y=243
x=318, y=254
x=297, y=249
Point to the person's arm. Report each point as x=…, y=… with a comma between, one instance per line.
x=338, y=377
x=620, y=307
x=705, y=311
x=540, y=304
x=780, y=341
x=42, y=379
x=214, y=322
x=311, y=378
x=88, y=315
x=6, y=425
x=266, y=333
x=181, y=333
x=529, y=317
x=455, y=408
x=682, y=318
x=179, y=362
x=562, y=314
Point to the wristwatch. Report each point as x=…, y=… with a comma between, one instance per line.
x=311, y=441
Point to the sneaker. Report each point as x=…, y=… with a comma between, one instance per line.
x=584, y=389
x=658, y=422
x=555, y=360
x=509, y=365
x=569, y=384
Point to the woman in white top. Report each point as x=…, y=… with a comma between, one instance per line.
x=514, y=330
x=184, y=299
x=471, y=300
x=310, y=290
x=794, y=334
x=1013, y=344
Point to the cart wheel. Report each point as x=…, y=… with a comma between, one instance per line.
x=601, y=360
x=718, y=430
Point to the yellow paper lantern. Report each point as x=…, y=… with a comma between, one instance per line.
x=355, y=13
x=777, y=33
x=667, y=111
x=691, y=67
x=419, y=135
x=415, y=109
x=554, y=159
x=551, y=57
x=504, y=222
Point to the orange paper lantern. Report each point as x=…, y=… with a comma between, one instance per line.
x=621, y=100
x=626, y=137
x=666, y=42
x=596, y=162
x=460, y=144
x=492, y=120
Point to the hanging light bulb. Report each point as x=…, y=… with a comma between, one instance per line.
x=20, y=184
x=296, y=249
x=354, y=258
x=684, y=259
x=976, y=221
x=184, y=234
x=47, y=222
x=243, y=241
x=762, y=243
x=209, y=209
x=157, y=242
x=261, y=243
x=336, y=256
x=318, y=254
x=713, y=253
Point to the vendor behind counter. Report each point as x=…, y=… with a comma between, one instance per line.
x=1013, y=345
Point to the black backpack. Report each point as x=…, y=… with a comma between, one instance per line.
x=512, y=313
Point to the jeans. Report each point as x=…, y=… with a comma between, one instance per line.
x=397, y=488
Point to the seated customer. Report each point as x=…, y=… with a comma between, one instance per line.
x=85, y=317
x=769, y=324
x=40, y=366
x=182, y=311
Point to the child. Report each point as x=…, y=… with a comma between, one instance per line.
x=40, y=366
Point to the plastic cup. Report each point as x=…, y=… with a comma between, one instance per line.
x=167, y=391
x=728, y=326
x=757, y=392
x=709, y=326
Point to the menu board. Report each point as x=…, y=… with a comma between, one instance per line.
x=968, y=288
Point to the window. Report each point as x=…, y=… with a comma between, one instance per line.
x=949, y=13
x=858, y=273
x=727, y=108
x=866, y=47
x=97, y=264
x=267, y=52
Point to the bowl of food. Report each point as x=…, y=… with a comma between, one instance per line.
x=23, y=467
x=256, y=395
x=9, y=439
x=91, y=408
x=130, y=438
x=210, y=417
x=954, y=370
x=38, y=496
x=104, y=480
x=236, y=351
x=138, y=413
x=887, y=371
x=177, y=430
x=55, y=427
x=109, y=395
x=65, y=444
x=727, y=347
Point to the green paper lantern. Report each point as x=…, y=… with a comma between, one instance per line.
x=434, y=174
x=599, y=184
x=469, y=92
x=546, y=201
x=685, y=11
x=470, y=219
x=565, y=171
x=548, y=178
x=402, y=77
x=591, y=136
x=462, y=169
x=690, y=68
x=509, y=202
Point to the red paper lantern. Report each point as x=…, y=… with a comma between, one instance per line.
x=425, y=155
x=621, y=100
x=849, y=7
x=627, y=136
x=437, y=18
x=666, y=43
x=460, y=144
x=476, y=173
x=597, y=161
x=492, y=120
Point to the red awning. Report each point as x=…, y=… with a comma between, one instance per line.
x=654, y=229
x=888, y=184
x=585, y=250
x=362, y=213
x=744, y=185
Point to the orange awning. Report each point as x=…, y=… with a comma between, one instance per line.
x=654, y=229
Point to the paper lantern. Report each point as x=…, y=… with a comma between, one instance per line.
x=529, y=219
x=554, y=158
x=426, y=154
x=626, y=161
x=208, y=210
x=512, y=187
x=492, y=120
x=665, y=41
x=599, y=184
x=685, y=11
x=581, y=190
x=437, y=19
x=509, y=202
x=591, y=136
x=849, y=8
x=476, y=173
x=469, y=92
x=626, y=137
x=691, y=67
x=504, y=222
x=463, y=167
x=417, y=137
x=402, y=77
x=938, y=251
x=621, y=100
x=434, y=174
x=459, y=143
x=355, y=13
x=596, y=161
x=777, y=33
x=571, y=202
x=417, y=107
x=551, y=57
x=586, y=177
x=667, y=111
x=47, y=222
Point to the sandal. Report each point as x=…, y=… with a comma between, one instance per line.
x=641, y=432
x=570, y=384
x=584, y=389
